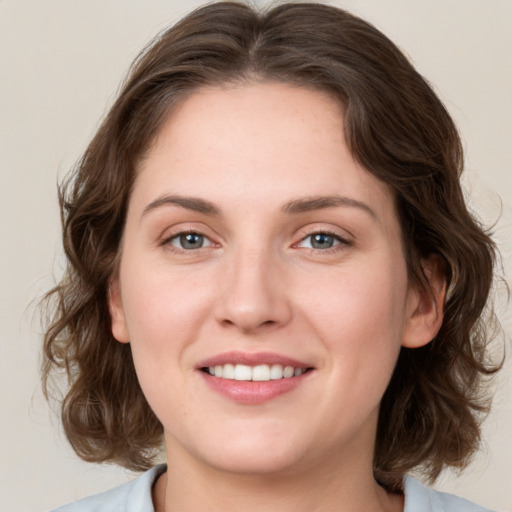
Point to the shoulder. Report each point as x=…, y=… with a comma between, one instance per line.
x=419, y=498
x=134, y=496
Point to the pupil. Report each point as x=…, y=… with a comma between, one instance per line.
x=322, y=241
x=191, y=241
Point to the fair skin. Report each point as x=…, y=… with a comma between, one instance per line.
x=254, y=238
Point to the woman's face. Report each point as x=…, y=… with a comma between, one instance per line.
x=257, y=249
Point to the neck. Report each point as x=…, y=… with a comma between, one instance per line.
x=191, y=486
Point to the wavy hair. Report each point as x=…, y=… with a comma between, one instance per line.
x=395, y=126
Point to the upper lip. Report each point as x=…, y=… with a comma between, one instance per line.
x=252, y=359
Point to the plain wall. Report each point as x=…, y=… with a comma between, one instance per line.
x=60, y=64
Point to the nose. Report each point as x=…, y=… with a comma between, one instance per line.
x=254, y=294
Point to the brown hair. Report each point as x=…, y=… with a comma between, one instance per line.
x=396, y=128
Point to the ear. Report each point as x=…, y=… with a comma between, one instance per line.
x=116, y=310
x=425, y=306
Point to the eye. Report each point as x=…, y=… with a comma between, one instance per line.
x=189, y=241
x=321, y=241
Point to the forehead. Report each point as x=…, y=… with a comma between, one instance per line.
x=266, y=139
x=255, y=116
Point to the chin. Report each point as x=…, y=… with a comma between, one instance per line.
x=253, y=452
x=255, y=462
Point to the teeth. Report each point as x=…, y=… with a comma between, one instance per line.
x=262, y=372
x=228, y=371
x=276, y=372
x=288, y=372
x=243, y=372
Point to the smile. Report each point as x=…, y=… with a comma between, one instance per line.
x=253, y=378
x=259, y=373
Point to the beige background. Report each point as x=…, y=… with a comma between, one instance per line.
x=60, y=64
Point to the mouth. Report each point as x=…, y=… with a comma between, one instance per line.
x=258, y=373
x=250, y=378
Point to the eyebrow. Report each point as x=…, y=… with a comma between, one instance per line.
x=293, y=207
x=309, y=204
x=190, y=203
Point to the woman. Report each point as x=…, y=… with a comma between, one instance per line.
x=273, y=271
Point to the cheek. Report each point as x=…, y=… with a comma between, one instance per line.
x=162, y=319
x=365, y=298
x=360, y=316
x=160, y=303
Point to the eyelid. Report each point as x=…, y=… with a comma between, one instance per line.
x=178, y=236
x=343, y=241
x=312, y=229
x=179, y=230
x=337, y=237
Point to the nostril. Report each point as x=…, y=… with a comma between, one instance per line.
x=247, y=324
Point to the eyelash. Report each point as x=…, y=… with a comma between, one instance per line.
x=177, y=236
x=340, y=243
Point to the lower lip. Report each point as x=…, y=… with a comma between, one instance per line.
x=253, y=392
